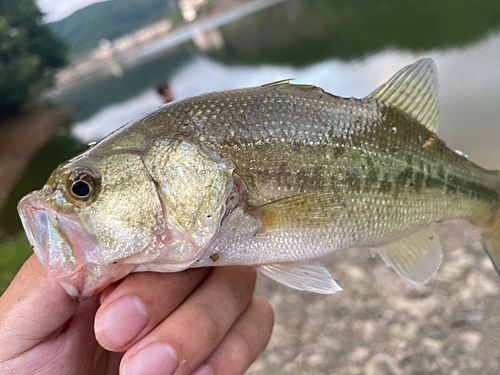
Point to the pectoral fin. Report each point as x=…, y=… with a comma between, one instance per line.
x=303, y=211
x=416, y=257
x=301, y=276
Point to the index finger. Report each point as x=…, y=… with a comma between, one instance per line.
x=140, y=302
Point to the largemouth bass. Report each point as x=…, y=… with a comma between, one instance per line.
x=270, y=176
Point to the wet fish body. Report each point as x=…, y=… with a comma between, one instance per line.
x=270, y=176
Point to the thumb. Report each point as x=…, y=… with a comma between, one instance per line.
x=31, y=309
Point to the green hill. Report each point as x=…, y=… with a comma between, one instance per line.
x=111, y=19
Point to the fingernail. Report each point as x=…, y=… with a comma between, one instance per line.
x=203, y=369
x=120, y=322
x=154, y=359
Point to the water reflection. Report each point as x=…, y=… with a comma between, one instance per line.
x=304, y=32
x=294, y=32
x=92, y=97
x=346, y=48
x=114, y=116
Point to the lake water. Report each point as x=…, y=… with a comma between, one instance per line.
x=348, y=48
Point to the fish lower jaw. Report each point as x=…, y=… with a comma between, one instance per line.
x=92, y=279
x=92, y=276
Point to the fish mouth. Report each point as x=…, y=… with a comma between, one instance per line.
x=34, y=220
x=67, y=251
x=43, y=229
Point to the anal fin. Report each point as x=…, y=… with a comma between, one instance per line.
x=415, y=257
x=301, y=276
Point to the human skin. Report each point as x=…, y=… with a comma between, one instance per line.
x=200, y=321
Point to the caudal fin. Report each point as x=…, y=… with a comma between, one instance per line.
x=492, y=244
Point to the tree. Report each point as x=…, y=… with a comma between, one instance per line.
x=29, y=53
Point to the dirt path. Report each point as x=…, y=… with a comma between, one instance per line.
x=20, y=138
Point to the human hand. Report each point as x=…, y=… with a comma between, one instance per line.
x=200, y=321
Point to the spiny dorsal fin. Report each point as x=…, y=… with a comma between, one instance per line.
x=279, y=83
x=416, y=257
x=302, y=276
x=298, y=212
x=414, y=90
x=285, y=84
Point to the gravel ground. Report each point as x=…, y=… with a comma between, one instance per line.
x=383, y=325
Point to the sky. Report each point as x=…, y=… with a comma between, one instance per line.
x=56, y=10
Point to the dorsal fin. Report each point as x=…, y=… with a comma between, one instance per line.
x=279, y=83
x=285, y=84
x=414, y=90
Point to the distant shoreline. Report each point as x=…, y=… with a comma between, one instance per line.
x=114, y=57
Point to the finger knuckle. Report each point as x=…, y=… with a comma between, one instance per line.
x=242, y=287
x=239, y=295
x=208, y=319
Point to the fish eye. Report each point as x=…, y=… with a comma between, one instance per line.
x=82, y=183
x=80, y=189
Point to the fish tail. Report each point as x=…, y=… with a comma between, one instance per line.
x=491, y=244
x=491, y=236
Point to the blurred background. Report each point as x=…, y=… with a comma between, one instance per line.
x=72, y=71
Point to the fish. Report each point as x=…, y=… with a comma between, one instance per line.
x=274, y=177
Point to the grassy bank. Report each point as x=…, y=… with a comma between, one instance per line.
x=13, y=253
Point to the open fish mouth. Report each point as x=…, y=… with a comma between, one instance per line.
x=67, y=251
x=34, y=218
x=43, y=227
